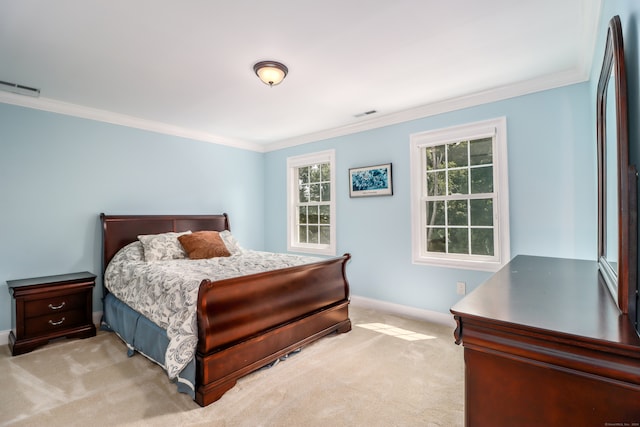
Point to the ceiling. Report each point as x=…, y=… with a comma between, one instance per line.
x=186, y=67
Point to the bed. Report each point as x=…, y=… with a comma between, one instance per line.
x=243, y=323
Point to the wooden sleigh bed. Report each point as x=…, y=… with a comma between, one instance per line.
x=245, y=323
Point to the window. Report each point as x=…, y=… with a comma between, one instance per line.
x=459, y=197
x=311, y=203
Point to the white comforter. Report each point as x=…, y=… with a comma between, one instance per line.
x=166, y=291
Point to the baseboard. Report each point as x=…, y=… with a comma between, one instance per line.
x=358, y=301
x=403, y=310
x=97, y=317
x=4, y=335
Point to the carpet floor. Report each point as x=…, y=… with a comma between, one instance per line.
x=366, y=377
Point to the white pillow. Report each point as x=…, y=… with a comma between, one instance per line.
x=231, y=243
x=162, y=247
x=133, y=252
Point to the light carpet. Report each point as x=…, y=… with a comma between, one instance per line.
x=361, y=378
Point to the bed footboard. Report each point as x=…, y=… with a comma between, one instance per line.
x=246, y=322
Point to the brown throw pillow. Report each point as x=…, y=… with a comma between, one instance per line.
x=203, y=244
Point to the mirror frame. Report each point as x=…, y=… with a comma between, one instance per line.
x=623, y=284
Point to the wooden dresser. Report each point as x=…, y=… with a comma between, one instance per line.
x=50, y=307
x=545, y=345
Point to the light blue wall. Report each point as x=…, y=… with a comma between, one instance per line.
x=58, y=173
x=552, y=179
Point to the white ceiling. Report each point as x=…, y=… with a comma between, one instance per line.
x=185, y=67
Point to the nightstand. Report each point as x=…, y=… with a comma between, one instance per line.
x=50, y=307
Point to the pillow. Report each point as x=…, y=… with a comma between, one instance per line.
x=204, y=244
x=230, y=242
x=132, y=252
x=162, y=247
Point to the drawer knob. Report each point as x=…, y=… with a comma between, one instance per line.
x=56, y=307
x=58, y=323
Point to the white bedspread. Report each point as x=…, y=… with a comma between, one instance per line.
x=166, y=291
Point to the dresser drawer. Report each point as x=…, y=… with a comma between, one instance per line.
x=54, y=304
x=55, y=322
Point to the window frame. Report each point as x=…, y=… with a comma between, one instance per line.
x=497, y=129
x=293, y=163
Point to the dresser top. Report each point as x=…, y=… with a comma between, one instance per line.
x=50, y=280
x=564, y=296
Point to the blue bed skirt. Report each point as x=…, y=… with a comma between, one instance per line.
x=145, y=337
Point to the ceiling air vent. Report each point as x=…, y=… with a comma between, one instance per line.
x=19, y=89
x=366, y=113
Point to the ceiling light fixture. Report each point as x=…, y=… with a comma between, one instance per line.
x=271, y=72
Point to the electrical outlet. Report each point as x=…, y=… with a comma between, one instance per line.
x=461, y=288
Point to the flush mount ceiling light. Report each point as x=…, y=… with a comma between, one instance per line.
x=271, y=72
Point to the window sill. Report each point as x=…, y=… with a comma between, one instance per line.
x=491, y=266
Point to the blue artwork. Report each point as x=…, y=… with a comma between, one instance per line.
x=372, y=179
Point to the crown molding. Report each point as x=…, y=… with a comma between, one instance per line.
x=484, y=97
x=427, y=110
x=68, y=109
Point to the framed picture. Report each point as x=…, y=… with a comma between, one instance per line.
x=370, y=181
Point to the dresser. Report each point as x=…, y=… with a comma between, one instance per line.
x=45, y=308
x=545, y=345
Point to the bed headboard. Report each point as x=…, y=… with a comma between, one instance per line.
x=120, y=230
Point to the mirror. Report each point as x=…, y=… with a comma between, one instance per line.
x=617, y=197
x=611, y=183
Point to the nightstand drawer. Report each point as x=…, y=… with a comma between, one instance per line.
x=54, y=304
x=54, y=322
